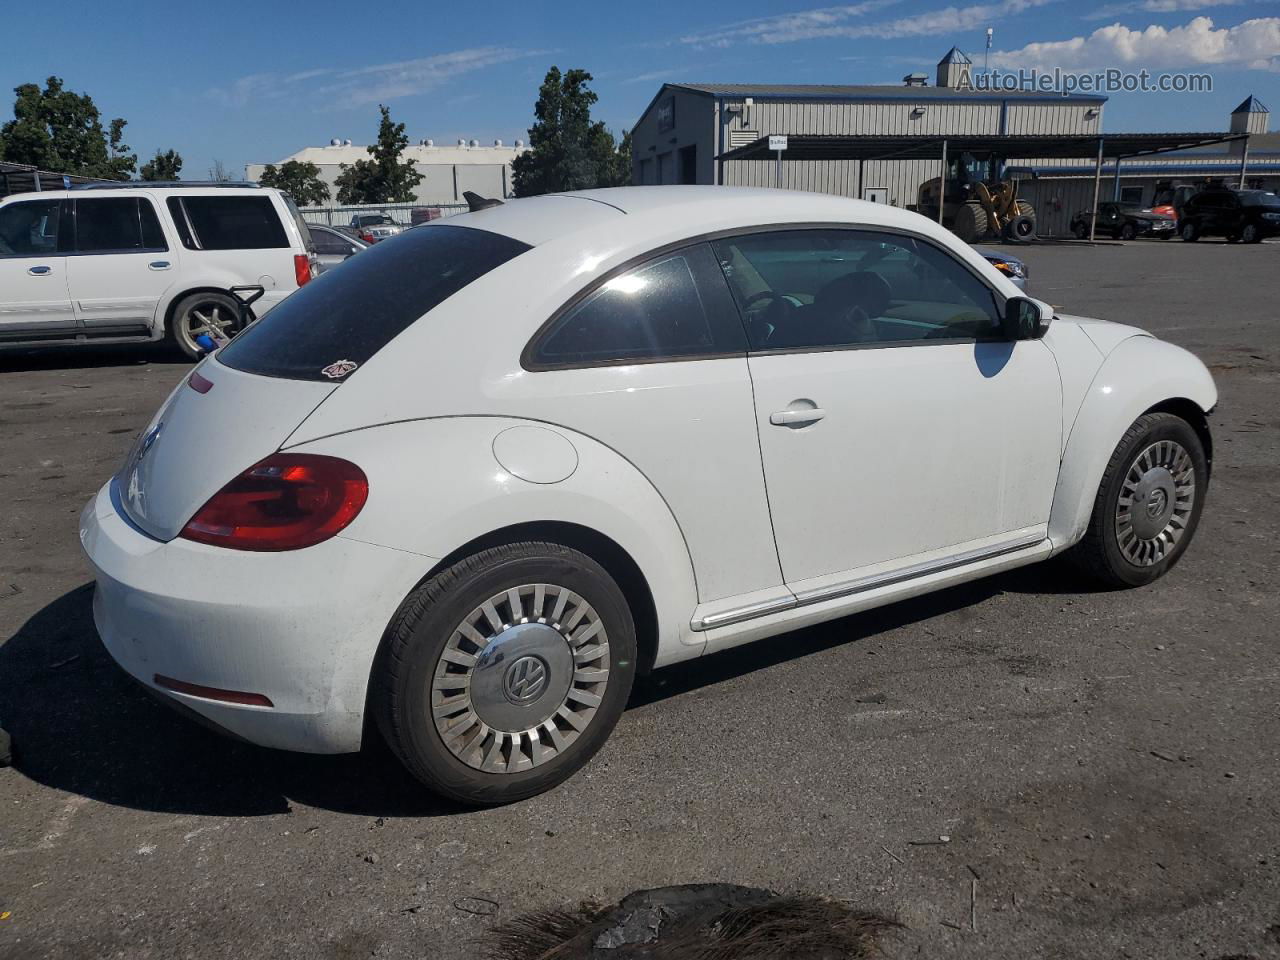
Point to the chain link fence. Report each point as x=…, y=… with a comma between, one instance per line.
x=340, y=216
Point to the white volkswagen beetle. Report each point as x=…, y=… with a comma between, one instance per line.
x=474, y=481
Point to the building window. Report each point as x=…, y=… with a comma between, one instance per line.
x=1131, y=195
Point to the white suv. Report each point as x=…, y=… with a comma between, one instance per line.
x=122, y=262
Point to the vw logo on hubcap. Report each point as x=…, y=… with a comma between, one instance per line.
x=1155, y=505
x=525, y=679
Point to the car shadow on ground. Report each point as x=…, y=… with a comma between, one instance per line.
x=105, y=355
x=80, y=725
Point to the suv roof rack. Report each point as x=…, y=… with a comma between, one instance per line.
x=143, y=184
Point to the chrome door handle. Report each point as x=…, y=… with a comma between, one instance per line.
x=39, y=271
x=159, y=264
x=794, y=418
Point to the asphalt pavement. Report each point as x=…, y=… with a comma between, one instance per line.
x=1106, y=764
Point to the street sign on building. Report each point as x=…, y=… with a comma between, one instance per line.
x=777, y=142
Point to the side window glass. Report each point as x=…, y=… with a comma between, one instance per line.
x=179, y=215
x=152, y=234
x=29, y=229
x=816, y=289
x=116, y=225
x=234, y=223
x=661, y=310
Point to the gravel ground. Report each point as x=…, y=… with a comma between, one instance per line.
x=1106, y=763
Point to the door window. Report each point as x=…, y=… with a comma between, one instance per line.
x=330, y=244
x=29, y=229
x=117, y=225
x=670, y=308
x=827, y=289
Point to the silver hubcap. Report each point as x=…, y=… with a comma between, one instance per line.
x=521, y=678
x=1155, y=503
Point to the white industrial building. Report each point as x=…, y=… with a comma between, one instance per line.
x=447, y=171
x=716, y=134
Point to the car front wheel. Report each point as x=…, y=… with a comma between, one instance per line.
x=1190, y=232
x=1251, y=234
x=504, y=674
x=1148, y=504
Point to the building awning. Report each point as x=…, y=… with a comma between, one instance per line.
x=23, y=178
x=1115, y=146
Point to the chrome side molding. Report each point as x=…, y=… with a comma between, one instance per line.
x=835, y=591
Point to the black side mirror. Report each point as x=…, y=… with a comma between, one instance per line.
x=1022, y=320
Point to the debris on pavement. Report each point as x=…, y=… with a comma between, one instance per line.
x=695, y=921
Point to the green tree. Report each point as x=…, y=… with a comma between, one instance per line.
x=60, y=130
x=163, y=166
x=299, y=179
x=567, y=150
x=385, y=178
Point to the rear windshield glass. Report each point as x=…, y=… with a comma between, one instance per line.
x=346, y=316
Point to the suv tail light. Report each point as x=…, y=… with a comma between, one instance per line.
x=302, y=268
x=286, y=502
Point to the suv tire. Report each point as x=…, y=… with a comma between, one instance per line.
x=196, y=313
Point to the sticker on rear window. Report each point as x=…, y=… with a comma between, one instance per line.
x=339, y=369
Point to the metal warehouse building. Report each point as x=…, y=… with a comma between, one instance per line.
x=684, y=134
x=688, y=126
x=447, y=171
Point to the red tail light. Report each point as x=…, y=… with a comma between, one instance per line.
x=301, y=268
x=367, y=237
x=286, y=502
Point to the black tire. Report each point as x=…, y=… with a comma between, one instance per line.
x=971, y=223
x=1020, y=229
x=208, y=304
x=1081, y=230
x=1099, y=553
x=402, y=683
x=1189, y=231
x=1250, y=234
x=1127, y=232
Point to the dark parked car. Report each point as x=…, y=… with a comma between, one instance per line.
x=1248, y=216
x=372, y=227
x=1124, y=221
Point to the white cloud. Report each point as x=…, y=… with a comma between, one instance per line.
x=1254, y=43
x=1156, y=6
x=657, y=75
x=378, y=83
x=830, y=22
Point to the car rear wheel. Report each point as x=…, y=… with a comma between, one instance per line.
x=1189, y=232
x=216, y=314
x=503, y=675
x=1127, y=232
x=1250, y=234
x=1081, y=230
x=1148, y=504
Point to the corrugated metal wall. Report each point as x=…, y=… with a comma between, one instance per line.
x=901, y=178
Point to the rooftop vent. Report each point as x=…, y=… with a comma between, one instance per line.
x=346, y=143
x=475, y=143
x=916, y=80
x=335, y=142
x=497, y=143
x=462, y=142
x=519, y=144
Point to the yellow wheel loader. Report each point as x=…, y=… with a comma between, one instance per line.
x=979, y=203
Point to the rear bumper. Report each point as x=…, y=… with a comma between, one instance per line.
x=300, y=628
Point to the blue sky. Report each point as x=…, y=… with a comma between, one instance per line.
x=248, y=83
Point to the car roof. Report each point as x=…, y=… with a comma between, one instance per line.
x=656, y=209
